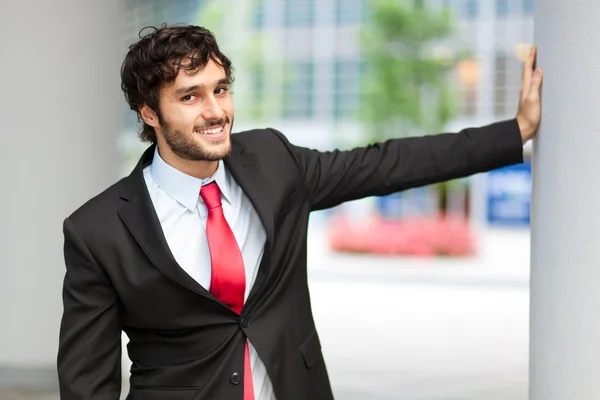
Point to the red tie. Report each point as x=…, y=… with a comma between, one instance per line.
x=228, y=277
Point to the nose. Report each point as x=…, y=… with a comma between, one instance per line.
x=211, y=109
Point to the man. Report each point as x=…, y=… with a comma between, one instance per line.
x=200, y=254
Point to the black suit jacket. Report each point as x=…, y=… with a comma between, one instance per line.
x=184, y=343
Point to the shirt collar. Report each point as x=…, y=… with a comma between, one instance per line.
x=184, y=188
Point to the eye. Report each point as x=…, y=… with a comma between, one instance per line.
x=188, y=98
x=221, y=91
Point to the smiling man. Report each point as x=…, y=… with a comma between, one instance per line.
x=200, y=254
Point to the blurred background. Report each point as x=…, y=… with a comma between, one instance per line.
x=428, y=288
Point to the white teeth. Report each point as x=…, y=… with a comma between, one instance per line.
x=211, y=131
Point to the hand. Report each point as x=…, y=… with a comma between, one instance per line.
x=529, y=114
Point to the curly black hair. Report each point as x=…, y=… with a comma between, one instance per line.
x=155, y=61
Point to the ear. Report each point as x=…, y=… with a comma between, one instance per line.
x=149, y=116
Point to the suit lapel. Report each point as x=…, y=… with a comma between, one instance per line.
x=245, y=169
x=139, y=216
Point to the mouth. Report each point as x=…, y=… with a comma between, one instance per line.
x=213, y=133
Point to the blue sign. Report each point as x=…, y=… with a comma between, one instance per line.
x=509, y=195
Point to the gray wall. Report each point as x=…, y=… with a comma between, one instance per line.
x=59, y=116
x=565, y=280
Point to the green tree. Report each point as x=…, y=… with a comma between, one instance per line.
x=406, y=90
x=405, y=86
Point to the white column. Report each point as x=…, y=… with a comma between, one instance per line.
x=565, y=278
x=59, y=115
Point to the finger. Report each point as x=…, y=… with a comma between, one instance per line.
x=536, y=82
x=528, y=71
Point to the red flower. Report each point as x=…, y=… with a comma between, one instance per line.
x=417, y=236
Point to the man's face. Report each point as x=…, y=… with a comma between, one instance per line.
x=197, y=114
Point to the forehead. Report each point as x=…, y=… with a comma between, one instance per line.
x=211, y=74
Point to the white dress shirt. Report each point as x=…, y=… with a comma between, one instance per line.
x=182, y=214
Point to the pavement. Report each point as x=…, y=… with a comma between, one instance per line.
x=425, y=329
x=407, y=328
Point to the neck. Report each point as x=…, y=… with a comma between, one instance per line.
x=198, y=169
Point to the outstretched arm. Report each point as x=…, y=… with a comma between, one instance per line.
x=334, y=177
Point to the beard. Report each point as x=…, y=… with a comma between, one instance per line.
x=185, y=147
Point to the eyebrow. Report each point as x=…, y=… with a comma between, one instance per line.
x=188, y=89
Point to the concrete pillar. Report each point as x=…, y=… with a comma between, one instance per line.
x=565, y=277
x=60, y=112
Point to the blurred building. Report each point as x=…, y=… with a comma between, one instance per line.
x=298, y=63
x=497, y=31
x=316, y=45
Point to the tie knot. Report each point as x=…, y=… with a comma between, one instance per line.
x=211, y=194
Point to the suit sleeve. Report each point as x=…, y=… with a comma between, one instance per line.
x=334, y=177
x=89, y=355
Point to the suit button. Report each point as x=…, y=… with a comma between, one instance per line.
x=236, y=378
x=244, y=322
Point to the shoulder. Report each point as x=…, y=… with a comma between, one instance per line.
x=257, y=139
x=275, y=155
x=97, y=210
x=268, y=144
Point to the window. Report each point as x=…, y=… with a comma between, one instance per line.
x=501, y=8
x=299, y=12
x=259, y=14
x=346, y=79
x=471, y=9
x=298, y=90
x=349, y=11
x=500, y=75
x=528, y=7
x=507, y=77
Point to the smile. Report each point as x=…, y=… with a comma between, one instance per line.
x=212, y=131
